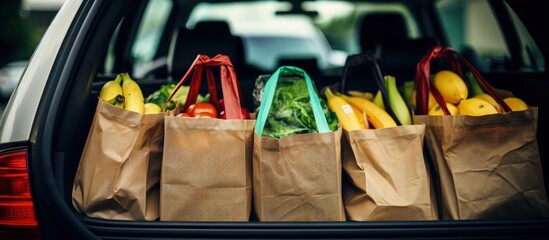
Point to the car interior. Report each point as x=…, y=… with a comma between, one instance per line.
x=399, y=32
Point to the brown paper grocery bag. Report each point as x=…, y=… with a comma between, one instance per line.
x=298, y=177
x=206, y=170
x=119, y=169
x=297, y=174
x=388, y=175
x=489, y=166
x=206, y=166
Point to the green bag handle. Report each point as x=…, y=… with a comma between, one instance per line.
x=268, y=95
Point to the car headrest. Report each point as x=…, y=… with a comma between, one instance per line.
x=402, y=55
x=210, y=38
x=380, y=27
x=213, y=28
x=309, y=65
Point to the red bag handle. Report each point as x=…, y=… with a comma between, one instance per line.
x=423, y=85
x=232, y=94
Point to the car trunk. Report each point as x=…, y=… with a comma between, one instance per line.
x=56, y=155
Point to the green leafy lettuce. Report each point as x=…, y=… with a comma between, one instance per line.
x=160, y=96
x=291, y=111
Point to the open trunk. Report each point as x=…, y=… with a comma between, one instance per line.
x=66, y=111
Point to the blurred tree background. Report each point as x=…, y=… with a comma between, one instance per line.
x=18, y=35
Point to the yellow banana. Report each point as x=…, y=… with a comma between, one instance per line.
x=118, y=100
x=343, y=110
x=354, y=93
x=362, y=119
x=120, y=104
x=397, y=103
x=375, y=115
x=366, y=95
x=134, y=100
x=111, y=91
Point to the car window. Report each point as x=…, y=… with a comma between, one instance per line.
x=110, y=56
x=530, y=53
x=268, y=37
x=484, y=42
x=147, y=39
x=460, y=23
x=149, y=33
x=361, y=10
x=150, y=30
x=334, y=34
x=266, y=51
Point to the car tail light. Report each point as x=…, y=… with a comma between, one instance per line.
x=17, y=216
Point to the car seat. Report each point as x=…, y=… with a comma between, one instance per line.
x=210, y=38
x=376, y=28
x=400, y=57
x=309, y=65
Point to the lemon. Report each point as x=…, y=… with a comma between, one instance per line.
x=476, y=107
x=431, y=101
x=437, y=111
x=516, y=104
x=490, y=99
x=452, y=88
x=151, y=108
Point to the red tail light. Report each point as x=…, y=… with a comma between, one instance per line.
x=17, y=216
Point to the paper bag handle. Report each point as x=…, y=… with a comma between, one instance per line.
x=268, y=96
x=423, y=85
x=358, y=60
x=232, y=94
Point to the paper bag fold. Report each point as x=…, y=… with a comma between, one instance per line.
x=388, y=176
x=119, y=170
x=489, y=167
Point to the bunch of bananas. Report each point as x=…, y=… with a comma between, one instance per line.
x=358, y=111
x=472, y=101
x=124, y=92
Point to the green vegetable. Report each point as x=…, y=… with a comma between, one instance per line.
x=291, y=111
x=160, y=96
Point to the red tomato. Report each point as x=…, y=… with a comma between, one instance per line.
x=183, y=115
x=202, y=107
x=204, y=115
x=190, y=109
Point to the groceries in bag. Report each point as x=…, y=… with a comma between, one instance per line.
x=479, y=144
x=297, y=153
